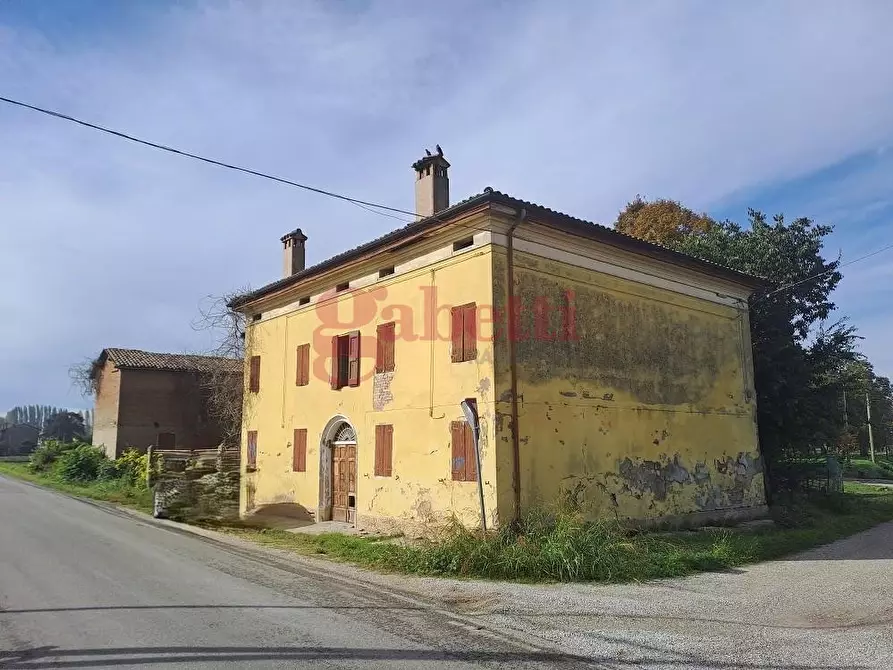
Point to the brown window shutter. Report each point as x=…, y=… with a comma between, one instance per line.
x=335, y=364
x=471, y=466
x=384, y=355
x=384, y=445
x=353, y=360
x=457, y=433
x=379, y=349
x=457, y=330
x=389, y=451
x=469, y=332
x=302, y=374
x=299, y=450
x=252, y=449
x=254, y=374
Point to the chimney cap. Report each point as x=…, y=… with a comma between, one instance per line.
x=431, y=159
x=296, y=234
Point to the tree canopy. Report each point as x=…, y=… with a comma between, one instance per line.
x=662, y=221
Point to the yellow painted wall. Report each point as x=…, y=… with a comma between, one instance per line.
x=649, y=413
x=420, y=398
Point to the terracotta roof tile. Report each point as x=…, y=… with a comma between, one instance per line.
x=148, y=360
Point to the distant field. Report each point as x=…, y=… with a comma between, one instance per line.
x=14, y=459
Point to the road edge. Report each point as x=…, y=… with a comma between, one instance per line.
x=347, y=574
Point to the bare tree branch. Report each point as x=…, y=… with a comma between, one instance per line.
x=221, y=387
x=84, y=376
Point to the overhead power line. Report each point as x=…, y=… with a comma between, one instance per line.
x=155, y=145
x=827, y=272
x=373, y=207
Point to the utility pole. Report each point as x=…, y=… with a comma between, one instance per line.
x=870, y=433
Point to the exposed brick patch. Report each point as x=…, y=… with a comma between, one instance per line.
x=381, y=390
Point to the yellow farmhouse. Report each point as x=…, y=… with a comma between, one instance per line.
x=604, y=369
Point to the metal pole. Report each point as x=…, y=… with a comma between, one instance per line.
x=469, y=408
x=870, y=432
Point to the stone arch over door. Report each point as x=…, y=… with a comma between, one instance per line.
x=338, y=430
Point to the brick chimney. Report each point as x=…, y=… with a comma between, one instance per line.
x=432, y=184
x=293, y=252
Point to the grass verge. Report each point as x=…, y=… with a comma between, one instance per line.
x=557, y=547
x=113, y=491
x=563, y=548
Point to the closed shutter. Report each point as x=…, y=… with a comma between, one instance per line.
x=299, y=450
x=471, y=464
x=457, y=329
x=384, y=355
x=254, y=374
x=464, y=461
x=469, y=332
x=353, y=359
x=457, y=434
x=251, y=460
x=302, y=375
x=335, y=364
x=384, y=449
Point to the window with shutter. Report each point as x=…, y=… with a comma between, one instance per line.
x=464, y=465
x=346, y=360
x=254, y=374
x=384, y=354
x=251, y=460
x=302, y=364
x=384, y=450
x=463, y=331
x=299, y=450
x=166, y=440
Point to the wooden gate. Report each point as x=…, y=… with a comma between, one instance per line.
x=344, y=482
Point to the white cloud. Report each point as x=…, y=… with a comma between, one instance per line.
x=106, y=243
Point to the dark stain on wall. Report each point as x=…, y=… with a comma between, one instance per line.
x=656, y=352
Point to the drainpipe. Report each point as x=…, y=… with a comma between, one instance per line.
x=513, y=363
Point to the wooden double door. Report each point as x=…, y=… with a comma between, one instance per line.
x=344, y=482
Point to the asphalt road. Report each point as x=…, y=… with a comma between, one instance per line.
x=86, y=586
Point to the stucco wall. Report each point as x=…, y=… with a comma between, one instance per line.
x=105, y=411
x=420, y=398
x=646, y=410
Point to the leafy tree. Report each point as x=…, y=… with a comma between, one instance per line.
x=65, y=427
x=662, y=221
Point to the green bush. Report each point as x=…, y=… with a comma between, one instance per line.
x=45, y=456
x=83, y=463
x=132, y=467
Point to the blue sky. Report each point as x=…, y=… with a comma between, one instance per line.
x=785, y=107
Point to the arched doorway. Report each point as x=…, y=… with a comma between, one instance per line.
x=338, y=471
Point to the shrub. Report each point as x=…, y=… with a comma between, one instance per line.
x=45, y=456
x=130, y=467
x=81, y=464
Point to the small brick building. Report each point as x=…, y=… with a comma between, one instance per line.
x=145, y=398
